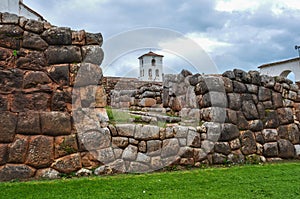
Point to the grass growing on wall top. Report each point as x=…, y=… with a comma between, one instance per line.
x=253, y=181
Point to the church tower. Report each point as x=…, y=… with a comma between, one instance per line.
x=151, y=67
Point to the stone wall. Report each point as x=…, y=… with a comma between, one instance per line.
x=38, y=66
x=53, y=119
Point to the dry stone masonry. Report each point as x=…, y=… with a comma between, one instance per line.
x=58, y=116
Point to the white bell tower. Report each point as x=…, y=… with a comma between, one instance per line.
x=151, y=67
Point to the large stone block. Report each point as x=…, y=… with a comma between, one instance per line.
x=18, y=150
x=147, y=102
x=11, y=36
x=229, y=132
x=285, y=115
x=147, y=132
x=154, y=147
x=40, y=151
x=271, y=119
x=130, y=153
x=68, y=164
x=106, y=155
x=55, y=123
x=34, y=26
x=31, y=60
x=10, y=80
x=222, y=147
x=78, y=37
x=193, y=138
x=120, y=142
x=92, y=54
x=249, y=110
x=88, y=74
x=8, y=124
x=248, y=142
x=34, y=41
x=126, y=130
x=270, y=149
x=60, y=74
x=61, y=100
x=234, y=101
x=34, y=78
x=63, y=54
x=285, y=149
x=277, y=100
x=94, y=39
x=270, y=135
x=94, y=139
x=170, y=147
x=3, y=103
x=212, y=98
x=264, y=94
x=9, y=18
x=289, y=132
x=58, y=36
x=238, y=87
x=13, y=172
x=30, y=102
x=65, y=145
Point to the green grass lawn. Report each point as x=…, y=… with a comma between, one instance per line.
x=280, y=180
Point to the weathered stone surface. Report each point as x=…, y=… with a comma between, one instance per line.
x=239, y=87
x=89, y=160
x=68, y=163
x=6, y=58
x=259, y=137
x=130, y=153
x=229, y=132
x=154, y=147
x=83, y=172
x=60, y=100
x=249, y=110
x=126, y=130
x=137, y=167
x=277, y=100
x=222, y=147
x=8, y=125
x=94, y=39
x=147, y=132
x=235, y=144
x=18, y=150
x=3, y=103
x=65, y=145
x=34, y=26
x=218, y=158
x=47, y=173
x=63, y=54
x=9, y=18
x=248, y=143
x=285, y=149
x=289, y=132
x=285, y=115
x=234, y=101
x=100, y=97
x=270, y=135
x=193, y=138
x=11, y=36
x=270, y=149
x=28, y=123
x=231, y=117
x=229, y=74
x=3, y=153
x=212, y=98
x=55, y=123
x=10, y=80
x=31, y=60
x=92, y=54
x=78, y=37
x=12, y=172
x=30, y=102
x=40, y=151
x=147, y=102
x=88, y=74
x=60, y=74
x=58, y=36
x=34, y=78
x=106, y=155
x=94, y=139
x=207, y=146
x=170, y=147
x=227, y=85
x=271, y=119
x=199, y=155
x=297, y=150
x=242, y=123
x=120, y=142
x=264, y=94
x=256, y=125
x=33, y=41
x=141, y=157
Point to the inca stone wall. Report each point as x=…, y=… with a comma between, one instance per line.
x=53, y=111
x=38, y=66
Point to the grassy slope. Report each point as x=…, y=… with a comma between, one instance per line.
x=258, y=181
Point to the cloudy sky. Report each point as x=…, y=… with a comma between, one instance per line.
x=234, y=33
